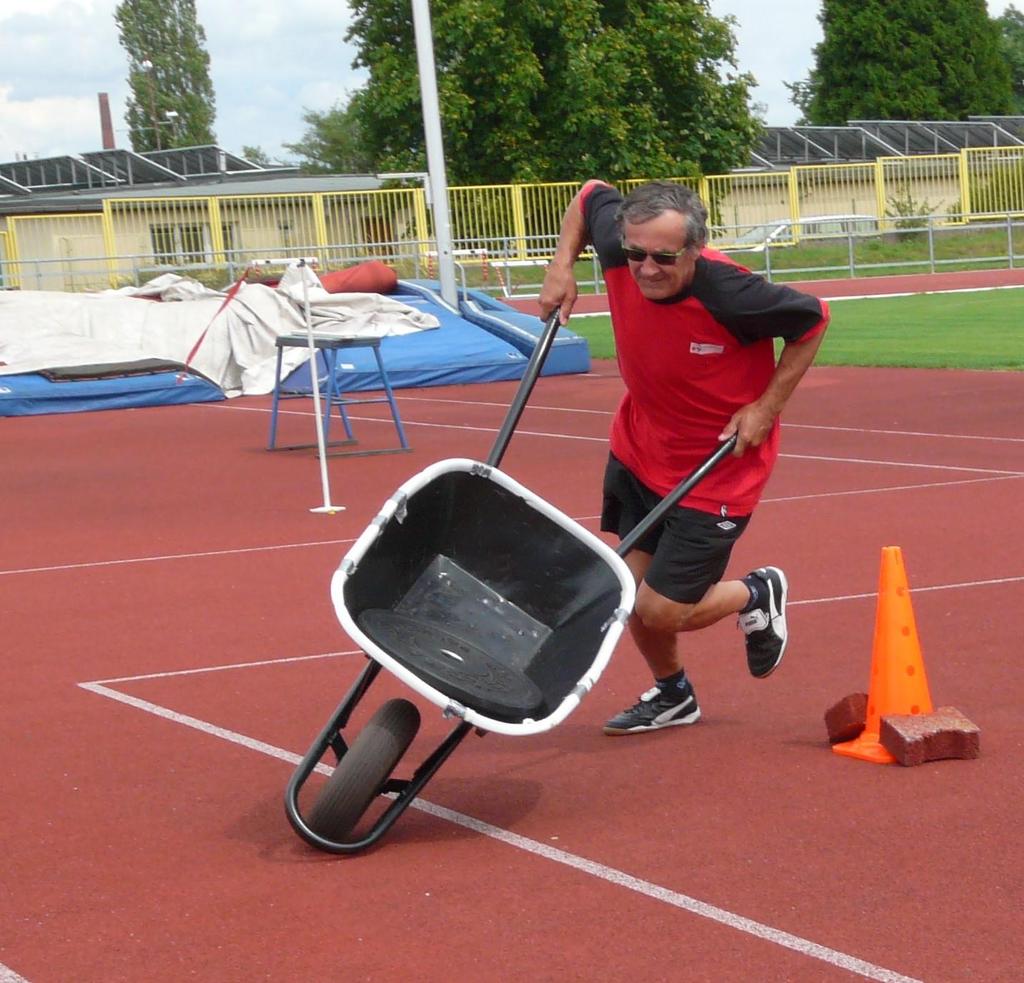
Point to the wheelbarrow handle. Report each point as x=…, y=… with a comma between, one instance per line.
x=675, y=496
x=526, y=384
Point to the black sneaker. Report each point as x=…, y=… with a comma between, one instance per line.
x=654, y=710
x=765, y=625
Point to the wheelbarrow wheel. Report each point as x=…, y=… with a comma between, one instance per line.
x=363, y=769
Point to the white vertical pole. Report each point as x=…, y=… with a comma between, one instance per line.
x=435, y=148
x=314, y=377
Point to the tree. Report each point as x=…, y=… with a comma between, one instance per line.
x=172, y=101
x=555, y=89
x=911, y=59
x=333, y=142
x=256, y=155
x=1011, y=28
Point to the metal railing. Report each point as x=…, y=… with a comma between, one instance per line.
x=804, y=250
x=510, y=225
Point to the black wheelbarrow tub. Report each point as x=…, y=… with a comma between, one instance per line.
x=484, y=598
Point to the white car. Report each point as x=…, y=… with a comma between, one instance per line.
x=787, y=231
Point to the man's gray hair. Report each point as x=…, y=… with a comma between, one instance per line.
x=657, y=197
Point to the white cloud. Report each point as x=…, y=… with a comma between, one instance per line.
x=268, y=61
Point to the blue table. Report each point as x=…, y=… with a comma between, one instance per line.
x=331, y=392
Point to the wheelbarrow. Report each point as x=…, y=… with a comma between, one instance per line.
x=485, y=600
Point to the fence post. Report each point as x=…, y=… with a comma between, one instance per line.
x=1009, y=238
x=931, y=244
x=109, y=241
x=879, y=173
x=419, y=207
x=216, y=229
x=965, y=186
x=320, y=222
x=519, y=222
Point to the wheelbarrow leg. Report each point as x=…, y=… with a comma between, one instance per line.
x=362, y=771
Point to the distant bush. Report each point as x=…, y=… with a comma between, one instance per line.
x=911, y=215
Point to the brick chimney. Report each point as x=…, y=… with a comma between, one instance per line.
x=106, y=124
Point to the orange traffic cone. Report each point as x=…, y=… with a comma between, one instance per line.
x=898, y=683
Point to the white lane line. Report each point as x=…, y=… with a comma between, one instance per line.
x=175, y=556
x=898, y=464
x=927, y=293
x=201, y=725
x=609, y=874
x=604, y=437
x=610, y=413
x=785, y=426
x=903, y=433
x=892, y=488
x=503, y=406
x=914, y=590
x=998, y=476
x=230, y=665
x=418, y=423
x=7, y=975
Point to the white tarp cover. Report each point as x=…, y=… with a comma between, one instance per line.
x=43, y=329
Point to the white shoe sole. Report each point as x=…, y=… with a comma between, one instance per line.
x=779, y=622
x=690, y=718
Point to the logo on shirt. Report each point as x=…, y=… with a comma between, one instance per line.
x=702, y=348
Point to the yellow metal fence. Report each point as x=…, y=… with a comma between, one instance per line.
x=132, y=239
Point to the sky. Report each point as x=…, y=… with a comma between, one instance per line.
x=270, y=61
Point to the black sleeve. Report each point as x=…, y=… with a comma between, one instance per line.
x=599, y=208
x=750, y=307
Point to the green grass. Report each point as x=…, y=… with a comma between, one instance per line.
x=955, y=248
x=982, y=330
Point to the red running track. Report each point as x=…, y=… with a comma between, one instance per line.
x=170, y=648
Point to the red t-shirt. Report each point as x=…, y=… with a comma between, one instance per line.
x=692, y=361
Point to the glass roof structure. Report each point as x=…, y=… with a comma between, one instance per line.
x=819, y=145
x=939, y=136
x=123, y=169
x=1014, y=125
x=862, y=140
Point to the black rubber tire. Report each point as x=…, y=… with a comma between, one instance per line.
x=363, y=770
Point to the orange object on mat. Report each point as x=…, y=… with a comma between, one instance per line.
x=898, y=684
x=371, y=277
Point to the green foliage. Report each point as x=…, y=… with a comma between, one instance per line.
x=914, y=60
x=907, y=210
x=168, y=72
x=1011, y=42
x=256, y=155
x=333, y=142
x=540, y=90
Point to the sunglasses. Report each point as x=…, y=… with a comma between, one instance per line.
x=662, y=259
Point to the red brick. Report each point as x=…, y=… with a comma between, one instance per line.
x=913, y=739
x=846, y=719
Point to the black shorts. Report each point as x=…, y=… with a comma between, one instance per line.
x=691, y=549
